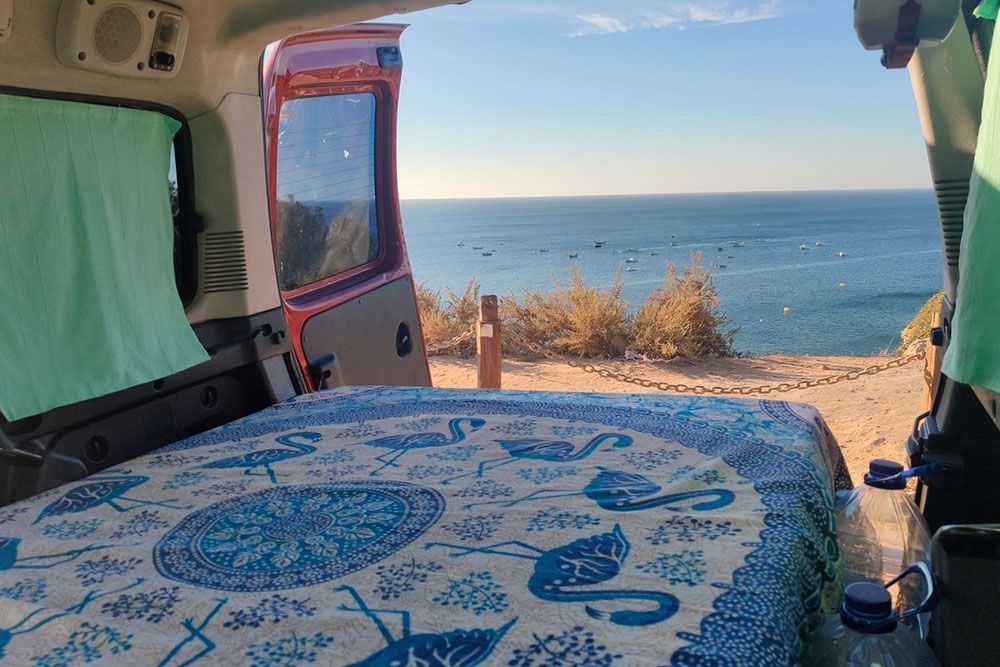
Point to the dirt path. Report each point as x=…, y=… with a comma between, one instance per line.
x=871, y=417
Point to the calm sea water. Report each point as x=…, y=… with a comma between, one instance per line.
x=892, y=261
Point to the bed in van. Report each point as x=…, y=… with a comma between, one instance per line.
x=219, y=441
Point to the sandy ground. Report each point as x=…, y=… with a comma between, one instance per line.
x=871, y=417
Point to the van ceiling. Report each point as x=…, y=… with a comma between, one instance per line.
x=223, y=53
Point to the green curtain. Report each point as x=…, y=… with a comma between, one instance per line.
x=974, y=354
x=987, y=9
x=88, y=303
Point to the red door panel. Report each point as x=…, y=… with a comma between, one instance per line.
x=330, y=102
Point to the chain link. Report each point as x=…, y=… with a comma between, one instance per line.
x=449, y=344
x=681, y=388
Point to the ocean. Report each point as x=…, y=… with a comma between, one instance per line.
x=890, y=241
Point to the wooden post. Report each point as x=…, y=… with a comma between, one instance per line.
x=932, y=367
x=488, y=343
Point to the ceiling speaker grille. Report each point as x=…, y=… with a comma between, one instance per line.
x=117, y=34
x=225, y=263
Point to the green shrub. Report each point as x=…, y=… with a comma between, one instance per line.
x=919, y=327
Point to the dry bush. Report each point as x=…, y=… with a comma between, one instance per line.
x=463, y=309
x=578, y=320
x=442, y=323
x=681, y=318
x=432, y=315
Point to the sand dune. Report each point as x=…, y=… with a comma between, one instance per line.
x=871, y=417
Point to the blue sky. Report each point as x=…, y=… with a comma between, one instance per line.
x=516, y=98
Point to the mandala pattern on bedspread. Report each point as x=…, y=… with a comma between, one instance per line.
x=294, y=536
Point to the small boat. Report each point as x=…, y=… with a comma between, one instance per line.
x=477, y=247
x=573, y=255
x=631, y=260
x=630, y=269
x=841, y=254
x=673, y=244
x=487, y=254
x=723, y=266
x=803, y=248
x=653, y=253
x=461, y=244
x=819, y=244
x=631, y=250
x=720, y=248
x=738, y=244
x=599, y=244
x=543, y=250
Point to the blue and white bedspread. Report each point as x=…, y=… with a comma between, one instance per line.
x=384, y=526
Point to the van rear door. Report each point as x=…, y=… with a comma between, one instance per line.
x=330, y=101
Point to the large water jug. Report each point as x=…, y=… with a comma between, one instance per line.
x=868, y=632
x=881, y=532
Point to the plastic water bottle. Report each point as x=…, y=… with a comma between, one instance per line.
x=881, y=532
x=868, y=632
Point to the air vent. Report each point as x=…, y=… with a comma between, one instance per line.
x=117, y=34
x=952, y=195
x=225, y=263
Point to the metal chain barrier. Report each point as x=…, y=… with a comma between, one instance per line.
x=681, y=388
x=449, y=344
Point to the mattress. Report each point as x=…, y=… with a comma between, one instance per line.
x=417, y=526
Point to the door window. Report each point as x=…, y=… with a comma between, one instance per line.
x=185, y=231
x=327, y=222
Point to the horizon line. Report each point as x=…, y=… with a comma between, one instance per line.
x=666, y=194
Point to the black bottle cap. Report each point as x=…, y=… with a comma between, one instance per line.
x=881, y=469
x=867, y=608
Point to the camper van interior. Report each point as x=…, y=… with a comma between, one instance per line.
x=220, y=443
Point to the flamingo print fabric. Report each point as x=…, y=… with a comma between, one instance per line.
x=415, y=526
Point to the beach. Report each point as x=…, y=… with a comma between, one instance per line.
x=871, y=417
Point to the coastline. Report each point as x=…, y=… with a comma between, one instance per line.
x=751, y=244
x=871, y=417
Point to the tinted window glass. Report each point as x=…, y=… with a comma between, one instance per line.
x=327, y=222
x=175, y=208
x=175, y=205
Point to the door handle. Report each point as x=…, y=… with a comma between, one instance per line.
x=404, y=340
x=325, y=372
